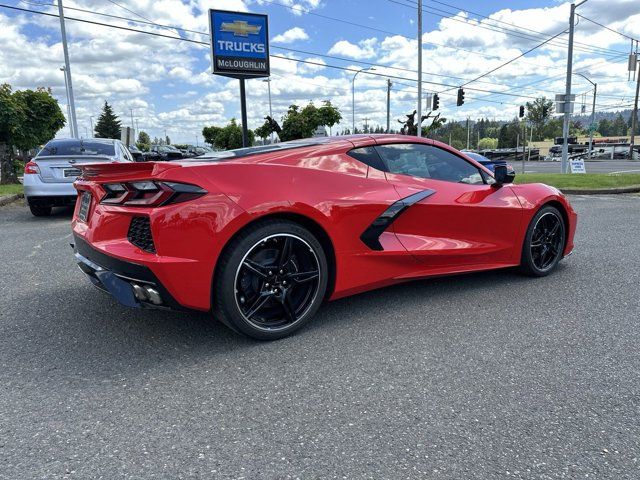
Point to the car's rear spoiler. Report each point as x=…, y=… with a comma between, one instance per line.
x=121, y=171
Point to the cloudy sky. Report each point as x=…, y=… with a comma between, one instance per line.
x=165, y=81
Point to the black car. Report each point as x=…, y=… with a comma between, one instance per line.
x=165, y=152
x=487, y=162
x=136, y=153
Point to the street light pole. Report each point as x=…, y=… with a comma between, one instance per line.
x=353, y=99
x=634, y=115
x=419, y=119
x=67, y=71
x=92, y=130
x=593, y=113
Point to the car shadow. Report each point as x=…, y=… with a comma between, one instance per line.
x=79, y=330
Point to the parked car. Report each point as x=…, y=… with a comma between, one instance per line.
x=197, y=151
x=136, y=153
x=167, y=152
x=487, y=162
x=261, y=236
x=49, y=177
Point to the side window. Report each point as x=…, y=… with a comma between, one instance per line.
x=368, y=156
x=426, y=161
x=126, y=156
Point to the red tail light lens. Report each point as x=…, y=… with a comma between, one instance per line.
x=31, y=167
x=147, y=193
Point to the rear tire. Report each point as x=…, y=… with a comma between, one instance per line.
x=271, y=279
x=38, y=211
x=544, y=243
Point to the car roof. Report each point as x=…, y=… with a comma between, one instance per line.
x=76, y=141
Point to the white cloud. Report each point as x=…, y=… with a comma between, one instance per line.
x=364, y=49
x=291, y=35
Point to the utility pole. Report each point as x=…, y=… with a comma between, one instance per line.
x=388, y=104
x=366, y=124
x=133, y=126
x=634, y=114
x=67, y=71
x=524, y=142
x=468, y=133
x=419, y=119
x=91, y=120
x=567, y=96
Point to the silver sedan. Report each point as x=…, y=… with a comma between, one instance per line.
x=49, y=177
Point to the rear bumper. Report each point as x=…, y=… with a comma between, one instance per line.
x=34, y=187
x=133, y=285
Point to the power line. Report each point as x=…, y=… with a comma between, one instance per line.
x=605, y=27
x=120, y=27
x=451, y=16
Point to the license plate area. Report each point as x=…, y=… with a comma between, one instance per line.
x=85, y=203
x=71, y=172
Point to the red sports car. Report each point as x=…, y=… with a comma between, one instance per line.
x=261, y=236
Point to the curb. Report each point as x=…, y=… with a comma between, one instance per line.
x=601, y=191
x=7, y=199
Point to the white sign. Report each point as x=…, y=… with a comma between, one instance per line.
x=577, y=165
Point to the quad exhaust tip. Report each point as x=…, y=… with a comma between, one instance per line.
x=146, y=293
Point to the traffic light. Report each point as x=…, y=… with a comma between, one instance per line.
x=521, y=114
x=460, y=97
x=436, y=102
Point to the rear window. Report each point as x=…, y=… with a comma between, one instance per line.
x=274, y=147
x=77, y=147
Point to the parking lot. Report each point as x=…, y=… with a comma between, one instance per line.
x=592, y=166
x=489, y=375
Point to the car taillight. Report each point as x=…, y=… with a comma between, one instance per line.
x=31, y=167
x=147, y=193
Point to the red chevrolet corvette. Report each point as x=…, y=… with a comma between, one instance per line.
x=261, y=236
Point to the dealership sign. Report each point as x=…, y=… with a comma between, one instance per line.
x=239, y=44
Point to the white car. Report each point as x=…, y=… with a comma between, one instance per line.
x=49, y=177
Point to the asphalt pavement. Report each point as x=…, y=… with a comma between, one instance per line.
x=485, y=376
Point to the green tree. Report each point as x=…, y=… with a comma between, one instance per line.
x=144, y=141
x=302, y=123
x=619, y=126
x=28, y=118
x=509, y=132
x=488, y=143
x=226, y=138
x=605, y=127
x=328, y=115
x=108, y=125
x=263, y=131
x=538, y=114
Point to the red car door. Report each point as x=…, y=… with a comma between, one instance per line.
x=462, y=223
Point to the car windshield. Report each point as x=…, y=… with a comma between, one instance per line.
x=77, y=147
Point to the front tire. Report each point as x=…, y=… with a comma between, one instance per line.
x=271, y=280
x=544, y=242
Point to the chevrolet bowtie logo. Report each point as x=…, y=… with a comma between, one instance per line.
x=240, y=28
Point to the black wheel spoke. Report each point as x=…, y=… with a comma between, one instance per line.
x=285, y=253
x=302, y=277
x=260, y=302
x=256, y=268
x=287, y=307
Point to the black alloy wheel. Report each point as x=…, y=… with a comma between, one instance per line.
x=272, y=280
x=544, y=242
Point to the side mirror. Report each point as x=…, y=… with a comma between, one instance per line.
x=502, y=175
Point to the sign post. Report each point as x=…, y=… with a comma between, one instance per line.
x=239, y=49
